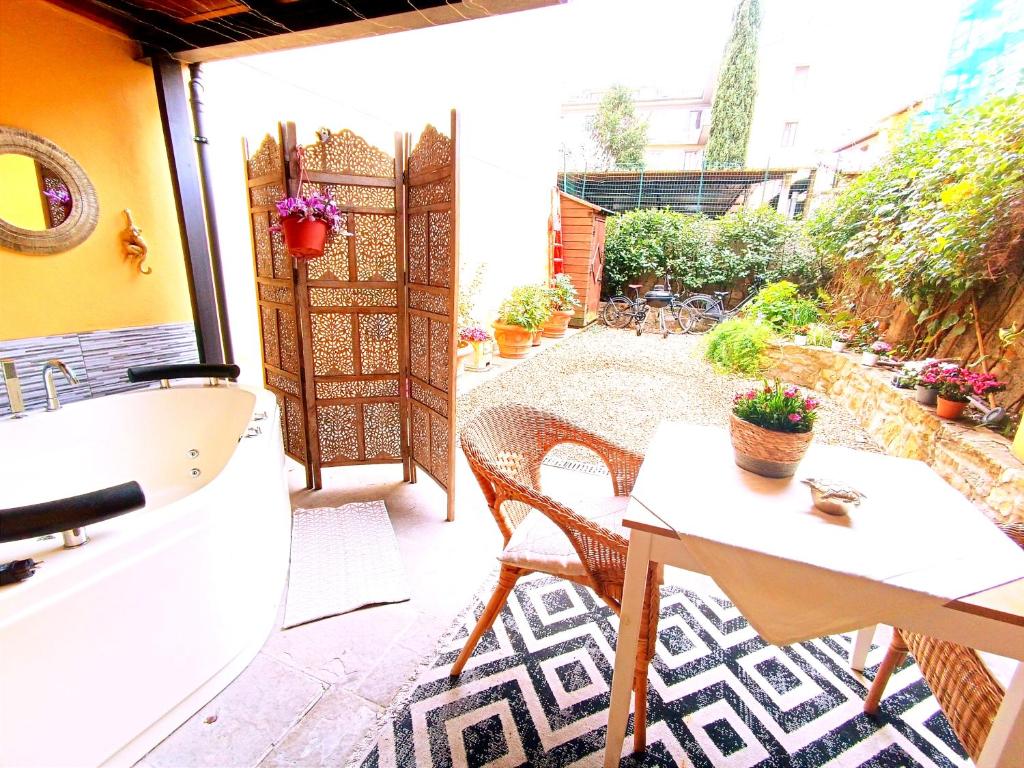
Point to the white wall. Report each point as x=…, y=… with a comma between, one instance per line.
x=489, y=70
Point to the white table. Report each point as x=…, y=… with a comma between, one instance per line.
x=915, y=555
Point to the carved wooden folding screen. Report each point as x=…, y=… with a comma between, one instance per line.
x=432, y=275
x=275, y=295
x=350, y=309
x=336, y=329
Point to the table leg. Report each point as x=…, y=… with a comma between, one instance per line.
x=861, y=646
x=638, y=561
x=1005, y=743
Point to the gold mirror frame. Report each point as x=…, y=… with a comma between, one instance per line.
x=85, y=209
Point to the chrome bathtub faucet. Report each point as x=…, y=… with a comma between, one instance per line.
x=12, y=384
x=52, y=403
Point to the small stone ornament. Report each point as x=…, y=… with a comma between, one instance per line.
x=833, y=497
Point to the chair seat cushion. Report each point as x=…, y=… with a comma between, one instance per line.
x=537, y=544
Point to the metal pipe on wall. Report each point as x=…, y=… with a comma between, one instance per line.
x=195, y=87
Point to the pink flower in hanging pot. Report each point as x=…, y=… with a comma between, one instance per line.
x=795, y=417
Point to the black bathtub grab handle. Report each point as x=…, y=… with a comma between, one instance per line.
x=184, y=371
x=73, y=512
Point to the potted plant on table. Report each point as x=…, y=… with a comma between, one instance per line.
x=869, y=356
x=306, y=221
x=562, y=299
x=477, y=341
x=519, y=317
x=771, y=428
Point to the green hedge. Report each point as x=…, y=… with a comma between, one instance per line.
x=703, y=252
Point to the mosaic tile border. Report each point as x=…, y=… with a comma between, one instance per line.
x=100, y=359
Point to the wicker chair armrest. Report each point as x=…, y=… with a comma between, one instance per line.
x=623, y=464
x=1014, y=530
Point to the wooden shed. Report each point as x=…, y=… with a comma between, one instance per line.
x=583, y=252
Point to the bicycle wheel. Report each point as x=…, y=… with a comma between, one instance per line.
x=704, y=313
x=680, y=320
x=641, y=319
x=618, y=312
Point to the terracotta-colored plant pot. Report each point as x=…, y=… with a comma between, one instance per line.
x=514, y=341
x=557, y=324
x=304, y=238
x=767, y=452
x=535, y=338
x=949, y=409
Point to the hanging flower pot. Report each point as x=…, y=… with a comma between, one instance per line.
x=305, y=238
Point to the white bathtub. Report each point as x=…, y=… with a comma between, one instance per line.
x=110, y=646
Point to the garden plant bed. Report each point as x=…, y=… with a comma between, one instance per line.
x=621, y=386
x=974, y=460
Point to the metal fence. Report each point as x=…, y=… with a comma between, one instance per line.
x=712, y=193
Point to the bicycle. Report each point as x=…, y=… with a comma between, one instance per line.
x=621, y=311
x=706, y=311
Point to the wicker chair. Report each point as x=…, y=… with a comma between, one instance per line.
x=505, y=446
x=962, y=683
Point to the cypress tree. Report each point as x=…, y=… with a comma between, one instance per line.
x=733, y=109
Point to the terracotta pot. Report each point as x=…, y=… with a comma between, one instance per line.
x=926, y=395
x=557, y=324
x=838, y=346
x=868, y=358
x=949, y=409
x=462, y=355
x=535, y=337
x=513, y=340
x=304, y=238
x=480, y=352
x=766, y=452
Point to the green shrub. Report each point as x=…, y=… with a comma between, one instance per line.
x=763, y=242
x=636, y=243
x=820, y=335
x=782, y=308
x=737, y=346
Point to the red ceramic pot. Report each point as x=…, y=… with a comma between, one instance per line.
x=305, y=238
x=949, y=409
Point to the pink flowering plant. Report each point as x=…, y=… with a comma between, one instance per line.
x=881, y=347
x=778, y=407
x=959, y=384
x=314, y=206
x=473, y=333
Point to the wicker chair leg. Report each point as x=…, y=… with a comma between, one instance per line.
x=893, y=658
x=506, y=582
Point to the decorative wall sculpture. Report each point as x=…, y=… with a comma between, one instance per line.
x=359, y=344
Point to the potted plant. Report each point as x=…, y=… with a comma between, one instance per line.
x=957, y=385
x=800, y=335
x=477, y=341
x=771, y=428
x=519, y=317
x=841, y=339
x=563, y=300
x=869, y=356
x=926, y=383
x=306, y=221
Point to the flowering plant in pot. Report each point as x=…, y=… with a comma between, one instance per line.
x=869, y=356
x=957, y=385
x=519, y=317
x=306, y=221
x=771, y=428
x=563, y=300
x=477, y=341
x=926, y=382
x=800, y=335
x=840, y=340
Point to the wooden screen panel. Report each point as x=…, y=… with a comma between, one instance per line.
x=276, y=296
x=431, y=290
x=352, y=316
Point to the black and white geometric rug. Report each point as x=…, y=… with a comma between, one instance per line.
x=536, y=693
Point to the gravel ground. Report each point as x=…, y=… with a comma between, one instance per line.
x=621, y=386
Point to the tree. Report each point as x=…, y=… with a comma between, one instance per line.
x=619, y=134
x=733, y=110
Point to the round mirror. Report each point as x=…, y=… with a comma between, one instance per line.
x=47, y=203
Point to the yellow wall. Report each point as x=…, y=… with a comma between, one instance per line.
x=21, y=203
x=77, y=84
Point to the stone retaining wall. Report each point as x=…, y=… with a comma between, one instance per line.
x=975, y=461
